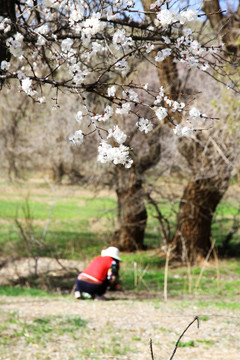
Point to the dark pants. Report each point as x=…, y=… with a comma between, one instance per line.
x=93, y=289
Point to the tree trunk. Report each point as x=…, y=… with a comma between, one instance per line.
x=193, y=234
x=132, y=211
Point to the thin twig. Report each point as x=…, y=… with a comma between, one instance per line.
x=204, y=263
x=166, y=273
x=176, y=345
x=151, y=349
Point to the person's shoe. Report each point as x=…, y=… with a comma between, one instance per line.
x=77, y=295
x=85, y=295
x=101, y=298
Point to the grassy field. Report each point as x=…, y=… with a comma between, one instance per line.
x=79, y=222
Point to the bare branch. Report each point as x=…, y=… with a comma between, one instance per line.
x=176, y=345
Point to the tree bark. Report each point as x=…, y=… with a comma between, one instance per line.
x=132, y=211
x=211, y=174
x=193, y=234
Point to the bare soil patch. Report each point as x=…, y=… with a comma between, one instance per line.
x=121, y=330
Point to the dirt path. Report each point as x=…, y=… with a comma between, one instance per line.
x=118, y=329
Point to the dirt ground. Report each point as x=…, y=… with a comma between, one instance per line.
x=121, y=329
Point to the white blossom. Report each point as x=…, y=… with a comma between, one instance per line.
x=121, y=41
x=166, y=40
x=5, y=25
x=26, y=85
x=5, y=65
x=131, y=95
x=188, y=15
x=76, y=14
x=41, y=41
x=194, y=112
x=157, y=4
x=15, y=47
x=160, y=96
x=93, y=25
x=66, y=44
x=18, y=37
x=117, y=134
x=79, y=116
x=165, y=17
x=21, y=75
x=108, y=112
x=163, y=54
x=112, y=16
x=161, y=113
x=144, y=125
x=77, y=138
x=43, y=29
x=122, y=66
x=183, y=130
x=204, y=66
x=117, y=155
x=149, y=47
x=196, y=48
x=111, y=91
x=195, y=115
x=124, y=109
x=41, y=100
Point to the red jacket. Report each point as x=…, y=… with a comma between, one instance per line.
x=98, y=267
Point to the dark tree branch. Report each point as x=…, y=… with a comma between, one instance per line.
x=176, y=345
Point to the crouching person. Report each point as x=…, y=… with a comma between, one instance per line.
x=101, y=273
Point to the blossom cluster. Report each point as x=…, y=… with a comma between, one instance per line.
x=88, y=51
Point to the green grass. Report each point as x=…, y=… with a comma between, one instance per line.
x=81, y=226
x=145, y=271
x=39, y=330
x=69, y=231
x=189, y=343
x=21, y=291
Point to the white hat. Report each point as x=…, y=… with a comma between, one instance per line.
x=112, y=252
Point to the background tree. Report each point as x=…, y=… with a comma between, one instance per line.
x=130, y=190
x=211, y=157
